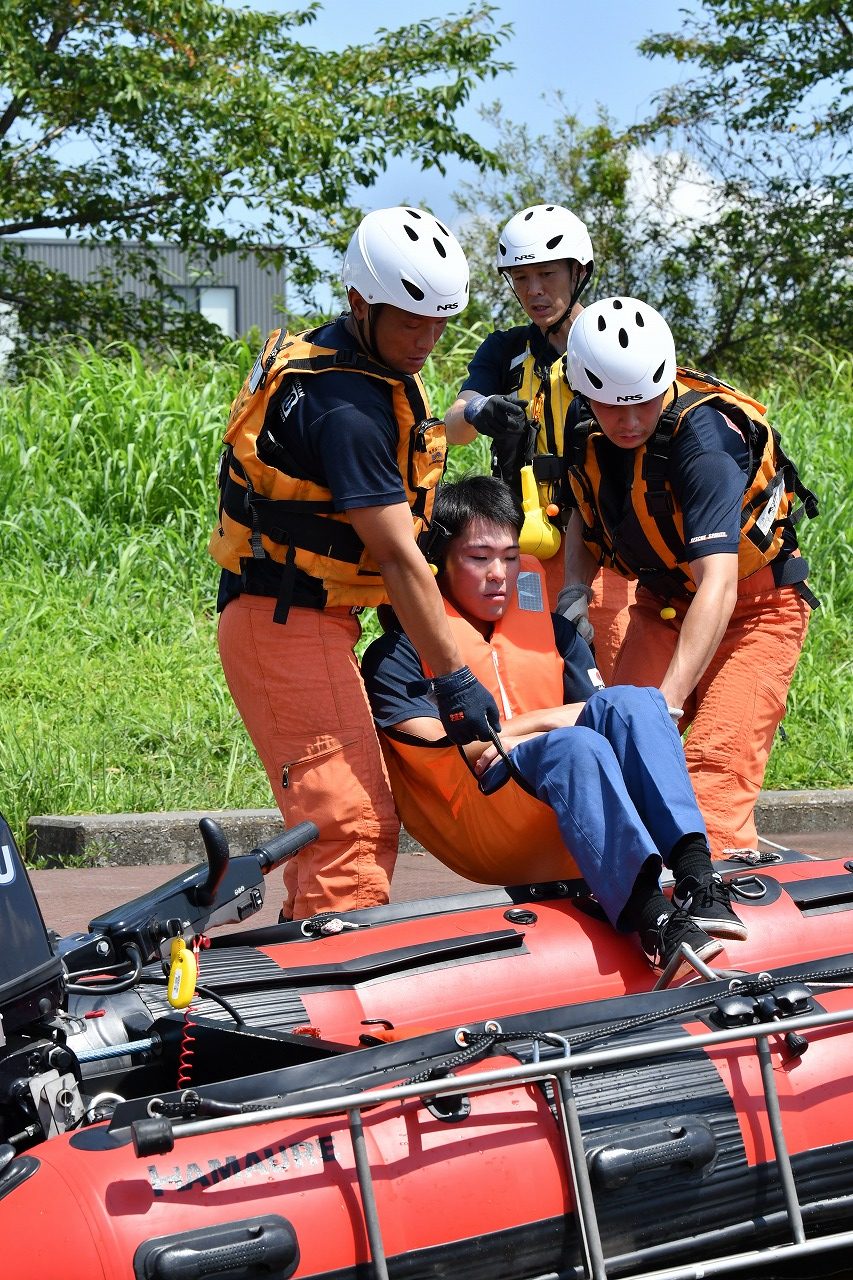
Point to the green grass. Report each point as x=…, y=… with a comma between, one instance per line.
x=111, y=694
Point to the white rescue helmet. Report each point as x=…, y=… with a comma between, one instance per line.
x=407, y=258
x=544, y=233
x=620, y=351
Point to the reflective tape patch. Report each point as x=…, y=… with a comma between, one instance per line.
x=529, y=591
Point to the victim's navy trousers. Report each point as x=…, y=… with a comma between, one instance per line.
x=618, y=784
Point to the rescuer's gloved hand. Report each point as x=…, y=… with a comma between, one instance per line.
x=496, y=416
x=573, y=603
x=465, y=707
x=675, y=713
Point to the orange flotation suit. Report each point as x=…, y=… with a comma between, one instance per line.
x=509, y=837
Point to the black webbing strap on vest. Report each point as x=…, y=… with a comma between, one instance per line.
x=513, y=771
x=295, y=525
x=575, y=449
x=303, y=526
x=659, y=500
x=811, y=505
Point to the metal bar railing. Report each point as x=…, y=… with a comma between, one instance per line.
x=780, y=1146
x=479, y=1082
x=561, y=1069
x=582, y=1192
x=368, y=1198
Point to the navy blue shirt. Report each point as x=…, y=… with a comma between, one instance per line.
x=341, y=432
x=391, y=666
x=489, y=369
x=709, y=470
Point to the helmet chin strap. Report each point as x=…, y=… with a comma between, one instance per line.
x=579, y=288
x=364, y=330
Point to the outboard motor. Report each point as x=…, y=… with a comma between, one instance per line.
x=35, y=1069
x=30, y=973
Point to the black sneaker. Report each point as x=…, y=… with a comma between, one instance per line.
x=709, y=904
x=662, y=942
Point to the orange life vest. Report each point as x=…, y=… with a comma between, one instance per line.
x=508, y=837
x=266, y=513
x=660, y=560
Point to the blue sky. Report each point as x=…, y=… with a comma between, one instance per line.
x=584, y=48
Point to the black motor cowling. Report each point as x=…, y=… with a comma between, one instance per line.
x=30, y=973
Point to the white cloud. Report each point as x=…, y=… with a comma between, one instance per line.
x=670, y=187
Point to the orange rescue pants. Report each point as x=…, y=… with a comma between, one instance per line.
x=299, y=692
x=735, y=709
x=612, y=596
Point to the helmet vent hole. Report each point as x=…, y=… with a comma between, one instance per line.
x=411, y=233
x=602, y=324
x=640, y=321
x=594, y=379
x=442, y=228
x=623, y=338
x=617, y=304
x=554, y=241
x=549, y=208
x=439, y=247
x=412, y=289
x=414, y=214
x=502, y=249
x=528, y=215
x=656, y=377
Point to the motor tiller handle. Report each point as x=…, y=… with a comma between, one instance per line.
x=285, y=846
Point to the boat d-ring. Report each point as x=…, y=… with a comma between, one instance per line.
x=751, y=894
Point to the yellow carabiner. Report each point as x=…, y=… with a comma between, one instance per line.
x=183, y=975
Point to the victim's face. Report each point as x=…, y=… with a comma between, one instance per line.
x=480, y=572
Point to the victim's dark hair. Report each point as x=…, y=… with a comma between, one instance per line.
x=477, y=498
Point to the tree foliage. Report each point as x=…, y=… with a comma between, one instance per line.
x=769, y=64
x=768, y=116
x=204, y=125
x=729, y=209
x=645, y=240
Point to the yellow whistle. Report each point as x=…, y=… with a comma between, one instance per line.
x=183, y=975
x=667, y=613
x=538, y=536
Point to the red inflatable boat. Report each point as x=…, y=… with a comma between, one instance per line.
x=480, y=1086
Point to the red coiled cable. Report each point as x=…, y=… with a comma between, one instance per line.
x=185, y=1056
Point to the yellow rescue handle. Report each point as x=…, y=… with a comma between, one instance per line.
x=538, y=536
x=183, y=975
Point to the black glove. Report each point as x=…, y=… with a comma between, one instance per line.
x=496, y=416
x=465, y=707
